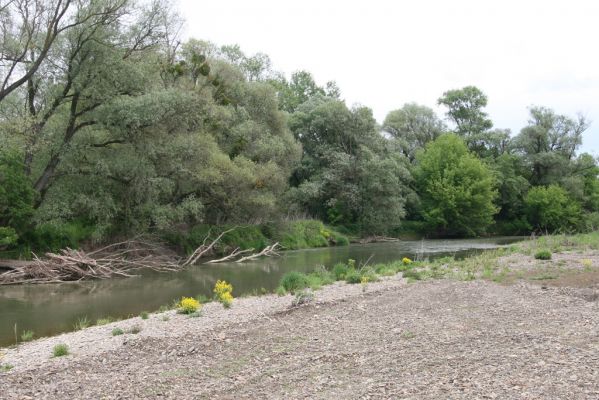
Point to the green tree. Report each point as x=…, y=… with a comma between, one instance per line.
x=465, y=109
x=548, y=144
x=413, y=126
x=347, y=176
x=549, y=208
x=457, y=190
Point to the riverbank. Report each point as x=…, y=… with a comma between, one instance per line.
x=513, y=326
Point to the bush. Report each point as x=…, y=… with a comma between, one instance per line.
x=60, y=350
x=144, y=315
x=294, y=281
x=303, y=297
x=339, y=271
x=353, y=276
x=224, y=293
x=188, y=305
x=551, y=209
x=543, y=255
x=8, y=237
x=117, y=332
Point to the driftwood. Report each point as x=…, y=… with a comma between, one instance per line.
x=235, y=253
x=117, y=259
x=204, y=248
x=266, y=252
x=377, y=239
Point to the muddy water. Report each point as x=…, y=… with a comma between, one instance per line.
x=51, y=309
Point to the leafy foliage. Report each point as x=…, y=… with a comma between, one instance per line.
x=457, y=189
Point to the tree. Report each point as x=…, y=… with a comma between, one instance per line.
x=413, y=126
x=347, y=175
x=457, y=190
x=30, y=29
x=465, y=110
x=300, y=88
x=548, y=144
x=549, y=208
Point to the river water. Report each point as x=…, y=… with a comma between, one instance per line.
x=54, y=308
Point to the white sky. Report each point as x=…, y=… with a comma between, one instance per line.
x=384, y=53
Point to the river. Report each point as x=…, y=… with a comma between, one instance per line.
x=54, y=308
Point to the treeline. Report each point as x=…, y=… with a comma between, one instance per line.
x=109, y=125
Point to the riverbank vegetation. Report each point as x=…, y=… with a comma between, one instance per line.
x=111, y=127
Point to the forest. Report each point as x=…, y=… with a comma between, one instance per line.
x=111, y=126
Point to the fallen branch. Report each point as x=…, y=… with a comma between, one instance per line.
x=203, y=249
x=266, y=252
x=231, y=256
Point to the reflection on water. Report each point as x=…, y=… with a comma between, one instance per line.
x=50, y=309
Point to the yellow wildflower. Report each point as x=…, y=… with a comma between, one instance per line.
x=406, y=261
x=189, y=305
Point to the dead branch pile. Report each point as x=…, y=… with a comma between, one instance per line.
x=118, y=259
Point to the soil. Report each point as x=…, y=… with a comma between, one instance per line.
x=426, y=340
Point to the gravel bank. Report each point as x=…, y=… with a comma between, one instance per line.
x=437, y=339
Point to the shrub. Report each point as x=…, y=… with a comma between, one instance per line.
x=144, y=315
x=339, y=271
x=406, y=261
x=27, y=336
x=353, y=276
x=135, y=329
x=117, y=332
x=303, y=297
x=60, y=350
x=224, y=293
x=543, y=255
x=551, y=208
x=188, y=305
x=294, y=281
x=412, y=275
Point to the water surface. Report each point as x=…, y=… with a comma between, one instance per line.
x=54, y=308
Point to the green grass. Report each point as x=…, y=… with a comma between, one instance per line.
x=543, y=255
x=104, y=321
x=294, y=281
x=117, y=332
x=27, y=336
x=60, y=350
x=82, y=323
x=144, y=315
x=6, y=367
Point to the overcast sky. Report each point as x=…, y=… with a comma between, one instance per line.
x=385, y=53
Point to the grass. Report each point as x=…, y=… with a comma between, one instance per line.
x=27, y=336
x=104, y=321
x=135, y=329
x=82, y=323
x=144, y=315
x=294, y=281
x=543, y=255
x=60, y=350
x=6, y=367
x=117, y=332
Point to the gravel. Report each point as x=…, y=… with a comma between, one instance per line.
x=427, y=340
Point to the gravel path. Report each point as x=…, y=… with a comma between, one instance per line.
x=437, y=339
